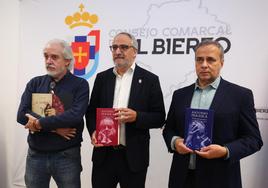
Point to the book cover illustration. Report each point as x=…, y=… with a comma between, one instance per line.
x=198, y=128
x=40, y=101
x=43, y=101
x=107, y=128
x=57, y=104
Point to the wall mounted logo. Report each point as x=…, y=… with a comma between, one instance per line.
x=177, y=27
x=85, y=48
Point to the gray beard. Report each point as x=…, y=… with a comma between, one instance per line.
x=126, y=64
x=55, y=74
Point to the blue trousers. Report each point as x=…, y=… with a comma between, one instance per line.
x=64, y=167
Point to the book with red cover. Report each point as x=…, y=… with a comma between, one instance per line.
x=107, y=128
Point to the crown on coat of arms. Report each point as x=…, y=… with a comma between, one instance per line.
x=81, y=18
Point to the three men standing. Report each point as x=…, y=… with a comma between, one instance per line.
x=135, y=93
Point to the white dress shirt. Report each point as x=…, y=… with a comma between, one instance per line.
x=121, y=95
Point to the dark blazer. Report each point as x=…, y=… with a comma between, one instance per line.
x=235, y=126
x=145, y=98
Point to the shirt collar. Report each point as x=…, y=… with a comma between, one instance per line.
x=213, y=85
x=130, y=70
x=66, y=75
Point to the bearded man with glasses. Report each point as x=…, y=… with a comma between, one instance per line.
x=136, y=96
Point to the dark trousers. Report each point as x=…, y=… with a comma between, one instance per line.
x=190, y=180
x=115, y=170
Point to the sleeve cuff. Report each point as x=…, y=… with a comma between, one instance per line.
x=173, y=142
x=228, y=153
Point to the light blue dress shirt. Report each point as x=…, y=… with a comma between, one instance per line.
x=202, y=99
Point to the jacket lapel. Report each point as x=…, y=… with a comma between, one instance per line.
x=219, y=95
x=110, y=88
x=189, y=96
x=136, y=86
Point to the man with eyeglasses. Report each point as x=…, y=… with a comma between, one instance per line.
x=136, y=95
x=55, y=138
x=235, y=131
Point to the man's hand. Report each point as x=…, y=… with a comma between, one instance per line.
x=49, y=111
x=33, y=124
x=125, y=115
x=67, y=133
x=181, y=148
x=212, y=151
x=94, y=140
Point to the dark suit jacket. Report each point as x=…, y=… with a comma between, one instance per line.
x=235, y=126
x=145, y=98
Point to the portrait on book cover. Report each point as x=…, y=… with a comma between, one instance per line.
x=197, y=135
x=107, y=130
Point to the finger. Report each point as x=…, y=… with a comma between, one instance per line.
x=98, y=145
x=122, y=109
x=204, y=149
x=66, y=137
x=71, y=135
x=95, y=144
x=120, y=118
x=117, y=115
x=30, y=117
x=200, y=153
x=118, y=110
x=188, y=150
x=185, y=150
x=93, y=140
x=72, y=132
x=50, y=111
x=29, y=126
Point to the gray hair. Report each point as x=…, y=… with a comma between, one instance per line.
x=211, y=42
x=134, y=42
x=66, y=52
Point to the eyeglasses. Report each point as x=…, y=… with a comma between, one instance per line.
x=122, y=47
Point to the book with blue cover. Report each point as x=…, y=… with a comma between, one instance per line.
x=198, y=128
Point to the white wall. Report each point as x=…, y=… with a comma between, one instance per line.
x=9, y=38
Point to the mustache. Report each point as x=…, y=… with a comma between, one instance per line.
x=119, y=57
x=50, y=66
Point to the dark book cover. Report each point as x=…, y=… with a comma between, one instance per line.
x=107, y=128
x=198, y=128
